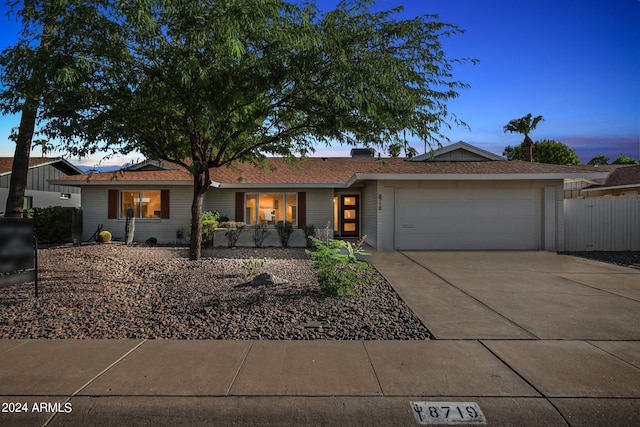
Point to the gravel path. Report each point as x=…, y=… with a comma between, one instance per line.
x=118, y=291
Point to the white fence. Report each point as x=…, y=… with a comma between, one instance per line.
x=602, y=224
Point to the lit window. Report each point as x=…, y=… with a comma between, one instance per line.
x=145, y=204
x=271, y=208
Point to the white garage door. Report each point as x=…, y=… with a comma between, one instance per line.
x=468, y=219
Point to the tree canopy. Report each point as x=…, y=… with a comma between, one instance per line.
x=599, y=159
x=545, y=151
x=207, y=83
x=623, y=159
x=524, y=125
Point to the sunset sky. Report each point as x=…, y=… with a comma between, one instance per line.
x=577, y=63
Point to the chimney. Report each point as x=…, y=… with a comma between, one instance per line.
x=362, y=152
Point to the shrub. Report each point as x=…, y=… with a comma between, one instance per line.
x=209, y=224
x=285, y=230
x=234, y=229
x=253, y=266
x=151, y=241
x=103, y=237
x=259, y=232
x=53, y=224
x=309, y=231
x=340, y=273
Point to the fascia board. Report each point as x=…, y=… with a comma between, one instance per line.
x=290, y=185
x=119, y=183
x=617, y=187
x=479, y=176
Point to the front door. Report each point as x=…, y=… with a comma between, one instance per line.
x=349, y=216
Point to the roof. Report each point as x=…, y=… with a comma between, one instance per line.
x=340, y=172
x=6, y=164
x=128, y=177
x=621, y=177
x=460, y=151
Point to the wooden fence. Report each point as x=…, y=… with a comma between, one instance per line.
x=602, y=224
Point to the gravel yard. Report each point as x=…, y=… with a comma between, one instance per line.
x=624, y=258
x=118, y=291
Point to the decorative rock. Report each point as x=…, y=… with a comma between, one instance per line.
x=268, y=279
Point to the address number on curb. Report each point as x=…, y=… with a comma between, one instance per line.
x=454, y=413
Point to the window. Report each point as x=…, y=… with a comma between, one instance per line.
x=28, y=202
x=145, y=204
x=271, y=208
x=65, y=196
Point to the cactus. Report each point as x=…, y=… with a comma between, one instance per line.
x=104, y=237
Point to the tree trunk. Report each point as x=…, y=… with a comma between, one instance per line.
x=20, y=167
x=527, y=147
x=200, y=187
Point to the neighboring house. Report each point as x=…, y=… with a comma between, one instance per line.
x=623, y=182
x=457, y=197
x=573, y=187
x=41, y=193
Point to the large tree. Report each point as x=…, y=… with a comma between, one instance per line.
x=623, y=159
x=599, y=159
x=26, y=99
x=524, y=125
x=51, y=49
x=545, y=151
x=208, y=83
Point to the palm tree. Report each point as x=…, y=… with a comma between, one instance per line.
x=524, y=125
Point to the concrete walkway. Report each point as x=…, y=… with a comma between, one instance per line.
x=532, y=338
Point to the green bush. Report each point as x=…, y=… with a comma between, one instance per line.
x=285, y=230
x=309, y=231
x=53, y=224
x=103, y=237
x=234, y=229
x=259, y=233
x=210, y=221
x=253, y=266
x=340, y=273
x=151, y=241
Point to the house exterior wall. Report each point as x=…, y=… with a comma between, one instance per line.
x=623, y=193
x=44, y=194
x=95, y=208
x=319, y=211
x=369, y=213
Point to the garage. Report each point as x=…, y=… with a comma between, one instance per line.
x=468, y=218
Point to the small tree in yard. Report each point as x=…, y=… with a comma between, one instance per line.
x=339, y=271
x=205, y=84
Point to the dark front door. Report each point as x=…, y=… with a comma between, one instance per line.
x=350, y=216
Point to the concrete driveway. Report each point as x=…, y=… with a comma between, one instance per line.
x=516, y=295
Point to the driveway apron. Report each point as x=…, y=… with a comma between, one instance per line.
x=524, y=294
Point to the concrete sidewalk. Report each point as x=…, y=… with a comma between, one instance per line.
x=531, y=338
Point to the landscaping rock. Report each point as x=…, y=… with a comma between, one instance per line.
x=147, y=292
x=267, y=279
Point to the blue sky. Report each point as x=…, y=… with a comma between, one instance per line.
x=577, y=63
